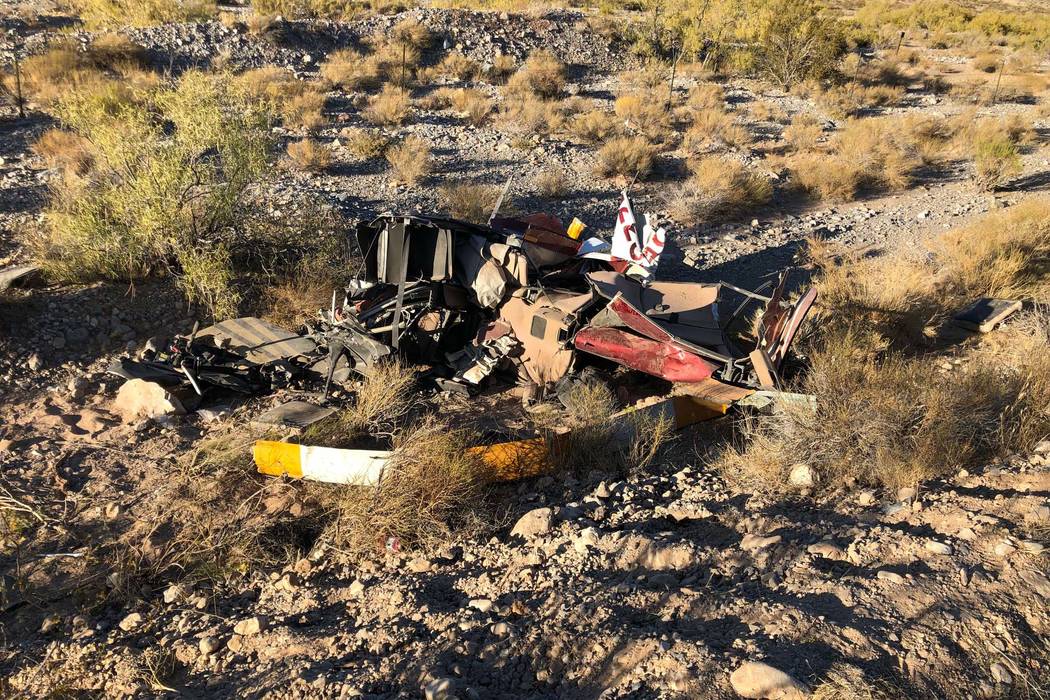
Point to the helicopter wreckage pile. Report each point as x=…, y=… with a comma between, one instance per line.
x=525, y=297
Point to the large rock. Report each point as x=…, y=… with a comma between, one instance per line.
x=758, y=680
x=535, y=523
x=138, y=398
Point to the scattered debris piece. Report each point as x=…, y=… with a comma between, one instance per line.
x=985, y=314
x=19, y=276
x=328, y=464
x=293, y=414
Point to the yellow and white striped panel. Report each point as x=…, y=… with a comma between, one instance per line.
x=328, y=464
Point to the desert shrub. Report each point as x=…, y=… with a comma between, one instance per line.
x=719, y=186
x=390, y=107
x=119, y=13
x=64, y=150
x=996, y=160
x=303, y=9
x=867, y=155
x=551, y=183
x=170, y=178
x=115, y=51
x=595, y=126
x=457, y=66
x=796, y=41
x=364, y=143
x=715, y=129
x=350, y=69
x=503, y=66
x=383, y=403
x=852, y=99
x=643, y=115
x=304, y=110
x=704, y=96
x=541, y=75
x=986, y=62
x=474, y=105
x=804, y=132
x=625, y=156
x=530, y=115
x=410, y=159
x=882, y=419
x=309, y=155
x=111, y=63
x=469, y=201
x=432, y=489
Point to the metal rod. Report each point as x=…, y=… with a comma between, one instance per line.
x=18, y=87
x=995, y=94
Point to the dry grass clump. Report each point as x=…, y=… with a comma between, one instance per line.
x=309, y=155
x=803, y=133
x=141, y=13
x=853, y=99
x=432, y=489
x=292, y=302
x=383, y=402
x=595, y=126
x=626, y=156
x=714, y=129
x=351, y=70
x=530, y=115
x=883, y=419
x=551, y=183
x=115, y=51
x=704, y=96
x=111, y=62
x=299, y=104
x=996, y=157
x=542, y=75
x=845, y=682
x=719, y=186
x=469, y=201
x=410, y=160
x=390, y=107
x=65, y=151
x=458, y=67
x=503, y=66
x=365, y=143
x=643, y=115
x=986, y=62
x=867, y=155
x=473, y=105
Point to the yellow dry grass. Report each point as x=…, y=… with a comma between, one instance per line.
x=410, y=160
x=309, y=155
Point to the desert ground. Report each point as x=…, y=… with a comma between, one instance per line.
x=899, y=163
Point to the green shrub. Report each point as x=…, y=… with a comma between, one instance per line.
x=169, y=178
x=995, y=160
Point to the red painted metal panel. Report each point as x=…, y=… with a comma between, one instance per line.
x=660, y=359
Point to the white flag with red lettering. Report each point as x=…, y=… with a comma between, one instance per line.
x=631, y=246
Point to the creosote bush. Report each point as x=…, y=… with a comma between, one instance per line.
x=170, y=177
x=365, y=143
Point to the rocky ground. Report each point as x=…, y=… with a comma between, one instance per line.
x=657, y=584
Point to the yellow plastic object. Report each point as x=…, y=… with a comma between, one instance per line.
x=278, y=458
x=518, y=459
x=575, y=229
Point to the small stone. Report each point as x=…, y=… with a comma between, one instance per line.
x=50, y=623
x=827, y=550
x=1032, y=547
x=587, y=538
x=138, y=398
x=533, y=524
x=502, y=629
x=174, y=593
x=130, y=622
x=802, y=476
x=890, y=576
x=1001, y=674
x=440, y=689
x=34, y=362
x=251, y=625
x=1043, y=447
x=754, y=543
x=602, y=491
x=482, y=604
x=113, y=510
x=758, y=680
x=288, y=582
x=1004, y=549
x=906, y=493
x=420, y=565
x=235, y=644
x=209, y=645
x=357, y=588
x=866, y=498
x=938, y=547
